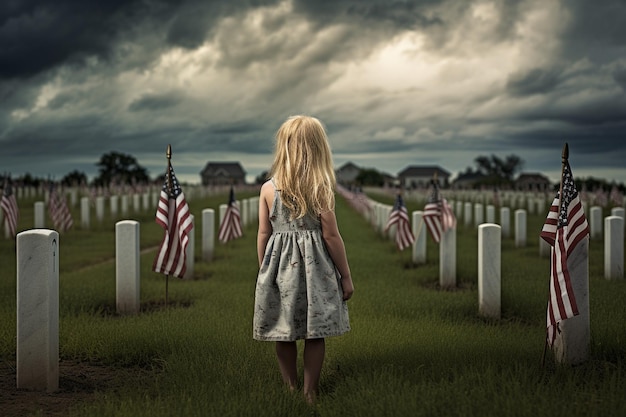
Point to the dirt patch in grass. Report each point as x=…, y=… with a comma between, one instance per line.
x=78, y=382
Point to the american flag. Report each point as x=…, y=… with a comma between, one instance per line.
x=438, y=214
x=230, y=228
x=174, y=217
x=565, y=226
x=400, y=217
x=9, y=207
x=59, y=211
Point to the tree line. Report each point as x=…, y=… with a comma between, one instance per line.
x=124, y=169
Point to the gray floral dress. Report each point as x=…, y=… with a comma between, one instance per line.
x=298, y=290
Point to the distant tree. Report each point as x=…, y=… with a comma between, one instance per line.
x=261, y=178
x=120, y=168
x=498, y=171
x=74, y=178
x=370, y=177
x=29, y=181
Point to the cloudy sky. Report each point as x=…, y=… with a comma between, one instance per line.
x=397, y=83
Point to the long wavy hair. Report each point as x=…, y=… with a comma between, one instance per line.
x=303, y=167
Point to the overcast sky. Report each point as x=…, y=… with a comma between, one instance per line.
x=397, y=83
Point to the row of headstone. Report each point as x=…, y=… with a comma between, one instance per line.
x=572, y=342
x=38, y=289
x=74, y=194
x=534, y=202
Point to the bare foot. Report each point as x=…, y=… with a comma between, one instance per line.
x=310, y=397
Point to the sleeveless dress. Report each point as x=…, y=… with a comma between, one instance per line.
x=298, y=290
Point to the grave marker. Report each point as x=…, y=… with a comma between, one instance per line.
x=208, y=234
x=489, y=270
x=127, y=267
x=419, y=231
x=38, y=310
x=613, y=247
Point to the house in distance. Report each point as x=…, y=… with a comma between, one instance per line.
x=420, y=176
x=223, y=173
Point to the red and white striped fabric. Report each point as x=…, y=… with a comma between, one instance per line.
x=400, y=217
x=9, y=207
x=230, y=228
x=565, y=226
x=174, y=217
x=438, y=215
x=59, y=211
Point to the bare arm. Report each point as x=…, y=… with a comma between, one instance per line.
x=265, y=227
x=337, y=250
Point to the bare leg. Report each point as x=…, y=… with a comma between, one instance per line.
x=314, y=350
x=287, y=353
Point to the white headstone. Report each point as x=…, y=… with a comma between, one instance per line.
x=84, y=212
x=478, y=214
x=208, y=234
x=489, y=270
x=222, y=208
x=505, y=222
x=595, y=222
x=113, y=202
x=136, y=202
x=467, y=214
x=73, y=197
x=491, y=214
x=541, y=205
x=530, y=205
x=613, y=247
x=520, y=228
x=124, y=205
x=145, y=201
x=447, y=259
x=100, y=208
x=419, y=231
x=391, y=232
x=40, y=215
x=244, y=212
x=254, y=210
x=38, y=310
x=619, y=211
x=127, y=267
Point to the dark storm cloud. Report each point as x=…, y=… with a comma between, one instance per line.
x=619, y=75
x=211, y=77
x=38, y=35
x=535, y=81
x=401, y=14
x=597, y=30
x=149, y=102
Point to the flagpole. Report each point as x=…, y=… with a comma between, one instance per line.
x=169, y=185
x=564, y=159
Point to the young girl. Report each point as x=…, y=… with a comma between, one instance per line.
x=304, y=279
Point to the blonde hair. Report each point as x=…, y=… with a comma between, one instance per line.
x=303, y=167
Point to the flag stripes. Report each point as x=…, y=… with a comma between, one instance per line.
x=10, y=209
x=438, y=214
x=230, y=228
x=59, y=211
x=565, y=226
x=174, y=217
x=432, y=219
x=400, y=217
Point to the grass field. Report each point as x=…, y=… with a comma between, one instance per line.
x=414, y=350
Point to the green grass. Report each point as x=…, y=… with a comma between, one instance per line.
x=413, y=350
